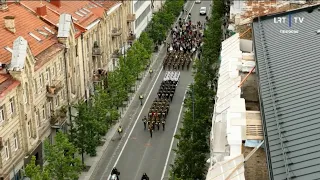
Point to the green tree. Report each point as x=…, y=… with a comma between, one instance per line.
x=35, y=172
x=147, y=43
x=193, y=146
x=62, y=164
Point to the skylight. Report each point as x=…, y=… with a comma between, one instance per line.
x=83, y=12
x=34, y=36
x=74, y=18
x=42, y=33
x=79, y=14
x=86, y=10
x=94, y=5
x=8, y=49
x=47, y=29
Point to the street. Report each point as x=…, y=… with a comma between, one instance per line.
x=136, y=153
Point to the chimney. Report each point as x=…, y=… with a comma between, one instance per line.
x=56, y=3
x=42, y=10
x=9, y=23
x=3, y=5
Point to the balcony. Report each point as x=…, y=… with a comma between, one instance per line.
x=99, y=75
x=116, y=32
x=54, y=89
x=131, y=17
x=116, y=54
x=58, y=118
x=96, y=50
x=131, y=37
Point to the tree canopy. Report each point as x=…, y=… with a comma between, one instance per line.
x=193, y=138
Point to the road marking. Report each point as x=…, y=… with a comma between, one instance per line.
x=139, y=167
x=175, y=131
x=189, y=12
x=155, y=82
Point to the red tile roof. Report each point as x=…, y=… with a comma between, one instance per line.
x=25, y=22
x=79, y=10
x=7, y=83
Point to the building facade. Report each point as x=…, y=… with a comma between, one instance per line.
x=52, y=55
x=143, y=12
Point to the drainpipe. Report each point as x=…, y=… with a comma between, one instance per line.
x=84, y=71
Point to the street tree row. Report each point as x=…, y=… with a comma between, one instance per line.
x=193, y=138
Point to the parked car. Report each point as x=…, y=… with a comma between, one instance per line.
x=203, y=11
x=198, y=1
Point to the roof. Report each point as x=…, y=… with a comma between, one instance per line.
x=25, y=23
x=19, y=53
x=288, y=68
x=81, y=11
x=7, y=83
x=222, y=170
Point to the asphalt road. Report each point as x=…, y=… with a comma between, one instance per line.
x=136, y=152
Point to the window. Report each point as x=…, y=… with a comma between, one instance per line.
x=41, y=81
x=15, y=140
x=57, y=100
x=29, y=129
x=12, y=108
x=54, y=73
x=1, y=114
x=138, y=4
x=7, y=150
x=59, y=66
x=142, y=16
x=35, y=86
x=47, y=74
x=43, y=112
x=76, y=50
x=38, y=119
x=26, y=94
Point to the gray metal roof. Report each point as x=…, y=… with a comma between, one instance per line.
x=19, y=54
x=288, y=66
x=65, y=21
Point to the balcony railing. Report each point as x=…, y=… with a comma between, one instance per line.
x=96, y=51
x=116, y=54
x=54, y=89
x=254, y=125
x=58, y=118
x=131, y=37
x=131, y=17
x=98, y=75
x=116, y=32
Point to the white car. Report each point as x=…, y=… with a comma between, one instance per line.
x=198, y=1
x=203, y=11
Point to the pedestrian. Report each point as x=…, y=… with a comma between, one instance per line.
x=145, y=122
x=150, y=129
x=141, y=98
x=163, y=124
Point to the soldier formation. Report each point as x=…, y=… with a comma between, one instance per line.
x=160, y=107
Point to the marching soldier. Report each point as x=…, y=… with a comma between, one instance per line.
x=163, y=123
x=150, y=129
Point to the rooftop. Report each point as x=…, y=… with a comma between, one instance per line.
x=288, y=68
x=7, y=83
x=39, y=35
x=83, y=13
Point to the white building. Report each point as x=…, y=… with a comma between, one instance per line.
x=143, y=12
x=232, y=122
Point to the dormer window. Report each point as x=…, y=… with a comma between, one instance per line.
x=79, y=14
x=47, y=29
x=34, y=36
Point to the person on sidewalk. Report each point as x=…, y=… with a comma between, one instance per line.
x=145, y=122
x=120, y=130
x=141, y=98
x=144, y=176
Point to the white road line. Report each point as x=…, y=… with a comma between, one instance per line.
x=175, y=131
x=135, y=123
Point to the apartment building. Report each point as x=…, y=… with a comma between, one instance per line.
x=32, y=86
x=52, y=54
x=143, y=11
